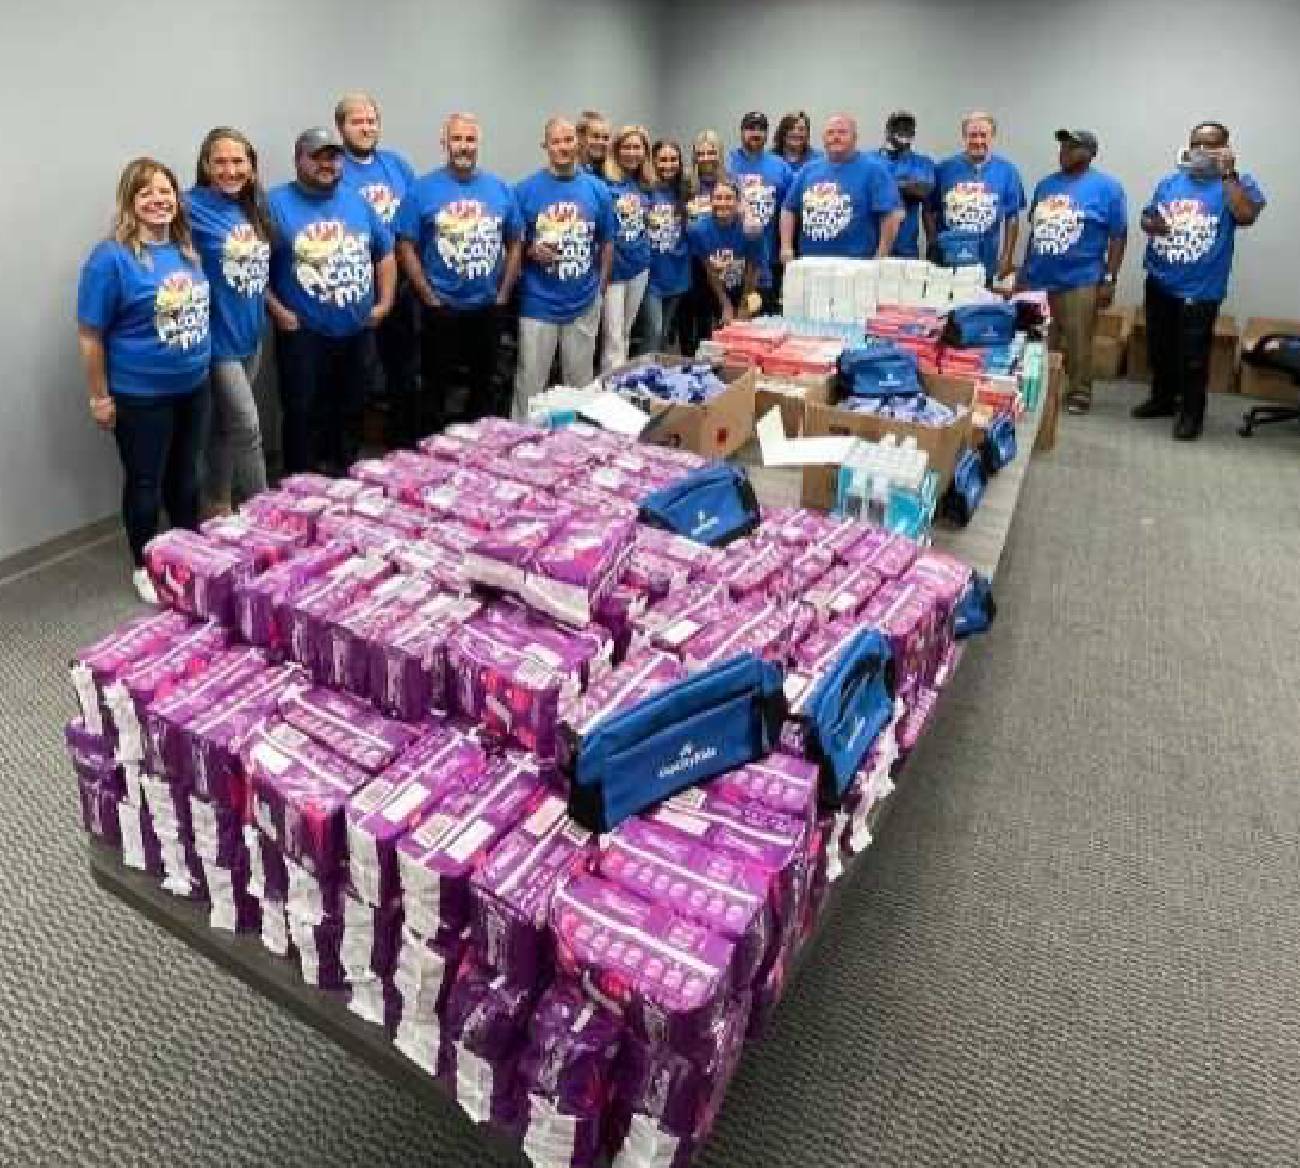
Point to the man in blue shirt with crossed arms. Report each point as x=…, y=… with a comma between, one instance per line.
x=763, y=179
x=914, y=174
x=1191, y=223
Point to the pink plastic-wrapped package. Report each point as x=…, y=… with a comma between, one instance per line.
x=402, y=478
x=620, y=482
x=306, y=614
x=445, y=761
x=920, y=707
x=944, y=575
x=617, y=613
x=444, y=566
x=295, y=512
x=577, y=568
x=718, y=891
x=350, y=727
x=670, y=977
x=908, y=615
x=408, y=664
x=843, y=592
x=319, y=947
x=511, y=892
x=492, y=433
x=891, y=555
x=437, y=859
x=806, y=570
x=365, y=536
x=754, y=568
x=407, y=520
x=644, y=673
x=300, y=791
x=323, y=487
x=669, y=624
x=472, y=497
x=572, y=451
x=218, y=834
x=679, y=462
x=501, y=556
x=426, y=970
x=445, y=447
x=196, y=575
x=586, y=499
x=267, y=545
x=527, y=464
x=756, y=626
x=354, y=635
x=258, y=600
x=780, y=782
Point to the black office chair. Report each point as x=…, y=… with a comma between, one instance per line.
x=1279, y=352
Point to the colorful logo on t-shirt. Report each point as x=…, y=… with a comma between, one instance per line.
x=563, y=227
x=664, y=227
x=332, y=264
x=728, y=267
x=631, y=217
x=245, y=260
x=1192, y=231
x=180, y=311
x=382, y=198
x=760, y=198
x=826, y=210
x=469, y=239
x=970, y=206
x=1058, y=225
x=699, y=206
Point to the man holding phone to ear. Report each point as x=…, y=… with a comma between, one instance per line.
x=1191, y=223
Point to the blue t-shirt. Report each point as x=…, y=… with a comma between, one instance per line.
x=670, y=255
x=153, y=318
x=1072, y=219
x=724, y=249
x=238, y=266
x=461, y=228
x=382, y=180
x=631, y=243
x=839, y=205
x=978, y=199
x=575, y=215
x=323, y=255
x=763, y=184
x=811, y=155
x=909, y=167
x=1194, y=260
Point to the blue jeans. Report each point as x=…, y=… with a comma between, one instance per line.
x=322, y=394
x=656, y=323
x=158, y=441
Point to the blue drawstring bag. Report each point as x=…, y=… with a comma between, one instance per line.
x=976, y=609
x=713, y=505
x=881, y=371
x=684, y=735
x=999, y=445
x=966, y=490
x=981, y=326
x=959, y=249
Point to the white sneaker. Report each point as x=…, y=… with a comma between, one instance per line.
x=144, y=588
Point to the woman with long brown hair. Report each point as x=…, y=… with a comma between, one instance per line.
x=233, y=237
x=629, y=178
x=792, y=142
x=142, y=326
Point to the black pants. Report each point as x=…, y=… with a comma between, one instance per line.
x=772, y=293
x=459, y=349
x=322, y=392
x=393, y=367
x=1180, y=334
x=158, y=441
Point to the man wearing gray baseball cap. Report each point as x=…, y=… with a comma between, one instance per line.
x=331, y=253
x=1078, y=226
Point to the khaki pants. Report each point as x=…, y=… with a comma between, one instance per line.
x=537, y=343
x=1074, y=314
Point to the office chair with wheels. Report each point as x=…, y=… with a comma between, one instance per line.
x=1279, y=352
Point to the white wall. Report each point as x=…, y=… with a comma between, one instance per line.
x=87, y=86
x=1139, y=75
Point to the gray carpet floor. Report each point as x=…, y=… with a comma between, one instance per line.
x=1075, y=942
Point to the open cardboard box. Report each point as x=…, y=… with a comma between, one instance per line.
x=1264, y=382
x=792, y=395
x=942, y=444
x=1110, y=341
x=714, y=429
x=1223, y=353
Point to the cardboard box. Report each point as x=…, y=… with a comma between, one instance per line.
x=1264, y=383
x=1053, y=395
x=714, y=429
x=1223, y=353
x=943, y=445
x=1110, y=340
x=805, y=389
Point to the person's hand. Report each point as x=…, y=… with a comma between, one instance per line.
x=1007, y=273
x=377, y=314
x=502, y=300
x=104, y=411
x=429, y=299
x=787, y=255
x=1105, y=294
x=1227, y=160
x=1155, y=224
x=285, y=321
x=542, y=253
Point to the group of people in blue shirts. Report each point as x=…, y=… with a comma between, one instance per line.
x=370, y=274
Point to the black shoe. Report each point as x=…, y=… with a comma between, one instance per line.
x=1186, y=429
x=1153, y=408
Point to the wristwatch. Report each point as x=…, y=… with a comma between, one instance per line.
x=1231, y=176
x=1108, y=278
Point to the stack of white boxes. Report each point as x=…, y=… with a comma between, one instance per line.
x=850, y=291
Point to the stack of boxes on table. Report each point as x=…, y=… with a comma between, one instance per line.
x=348, y=733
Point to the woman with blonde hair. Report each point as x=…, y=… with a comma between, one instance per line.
x=706, y=170
x=232, y=234
x=142, y=327
x=629, y=178
x=695, y=315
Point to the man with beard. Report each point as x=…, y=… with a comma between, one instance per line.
x=333, y=278
x=914, y=174
x=458, y=242
x=383, y=178
x=763, y=179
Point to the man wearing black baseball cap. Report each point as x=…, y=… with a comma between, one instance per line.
x=914, y=174
x=1078, y=226
x=763, y=180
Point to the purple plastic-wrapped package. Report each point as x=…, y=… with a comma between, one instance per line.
x=585, y=653
x=409, y=668
x=780, y=782
x=616, y=613
x=511, y=892
x=295, y=512
x=891, y=555
x=492, y=433
x=444, y=761
x=402, y=479
x=434, y=561
x=408, y=521
x=718, y=891
x=196, y=575
x=670, y=977
x=305, y=614
x=527, y=464
x=258, y=600
x=842, y=593
x=353, y=637
x=320, y=947
x=426, y=970
x=670, y=623
x=299, y=792
x=502, y=555
x=311, y=899
x=754, y=568
x=267, y=545
x=472, y=497
x=268, y=872
x=661, y=562
x=908, y=616
x=920, y=707
x=233, y=908
x=806, y=570
x=309, y=483
x=437, y=860
x=350, y=727
x=445, y=447
x=484, y=1029
x=371, y=939
x=764, y=627
x=100, y=782
x=578, y=568
x=141, y=848
x=365, y=536
x=567, y=1069
x=217, y=735
x=586, y=499
x=644, y=673
x=945, y=575
x=218, y=836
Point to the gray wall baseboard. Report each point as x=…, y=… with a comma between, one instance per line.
x=33, y=557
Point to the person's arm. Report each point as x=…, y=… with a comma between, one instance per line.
x=1244, y=203
x=606, y=265
x=510, y=275
x=1114, y=261
x=719, y=291
x=787, y=236
x=915, y=190
x=386, y=283
x=1010, y=237
x=91, y=343
x=748, y=286
x=282, y=317
x=889, y=226
x=929, y=221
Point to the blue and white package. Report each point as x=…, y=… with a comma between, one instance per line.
x=879, y=371
x=689, y=384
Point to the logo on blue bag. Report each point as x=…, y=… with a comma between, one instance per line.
x=689, y=758
x=858, y=726
x=704, y=522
